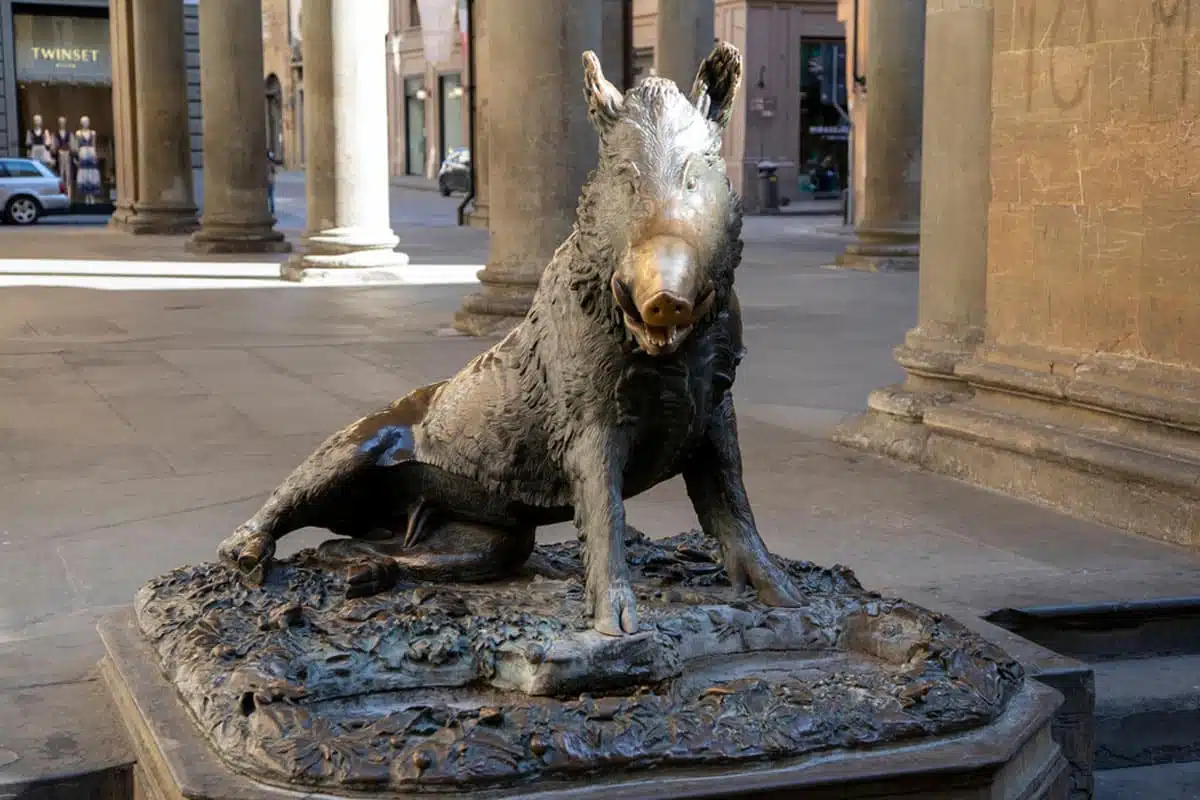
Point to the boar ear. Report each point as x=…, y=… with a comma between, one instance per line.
x=717, y=82
x=604, y=99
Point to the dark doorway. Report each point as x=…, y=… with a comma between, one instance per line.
x=275, y=117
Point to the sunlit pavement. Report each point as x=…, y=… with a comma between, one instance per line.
x=80, y=251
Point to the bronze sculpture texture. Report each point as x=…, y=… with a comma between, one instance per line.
x=619, y=378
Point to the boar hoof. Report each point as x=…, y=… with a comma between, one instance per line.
x=614, y=611
x=775, y=587
x=248, y=551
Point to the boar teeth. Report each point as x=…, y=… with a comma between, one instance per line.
x=660, y=335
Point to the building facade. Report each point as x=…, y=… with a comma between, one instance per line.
x=427, y=100
x=56, y=62
x=791, y=110
x=283, y=81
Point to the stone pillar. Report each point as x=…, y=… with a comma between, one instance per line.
x=541, y=148
x=345, y=110
x=154, y=158
x=955, y=194
x=612, y=51
x=887, y=232
x=955, y=190
x=236, y=218
x=478, y=217
x=686, y=30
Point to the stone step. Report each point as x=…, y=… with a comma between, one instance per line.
x=60, y=736
x=1147, y=711
x=1159, y=782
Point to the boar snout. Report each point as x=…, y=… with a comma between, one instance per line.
x=662, y=293
x=666, y=310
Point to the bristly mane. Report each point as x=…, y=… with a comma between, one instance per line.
x=656, y=99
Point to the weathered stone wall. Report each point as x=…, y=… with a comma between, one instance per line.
x=1085, y=392
x=1095, y=213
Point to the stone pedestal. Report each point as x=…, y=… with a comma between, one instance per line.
x=155, y=193
x=685, y=34
x=540, y=149
x=481, y=689
x=888, y=229
x=236, y=218
x=345, y=110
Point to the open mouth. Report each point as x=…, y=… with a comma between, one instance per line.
x=656, y=339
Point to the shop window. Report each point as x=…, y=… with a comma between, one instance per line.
x=451, y=93
x=414, y=126
x=824, y=131
x=64, y=99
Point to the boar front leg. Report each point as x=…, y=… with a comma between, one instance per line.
x=713, y=476
x=595, y=463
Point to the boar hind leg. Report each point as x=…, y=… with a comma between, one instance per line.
x=714, y=483
x=339, y=487
x=435, y=549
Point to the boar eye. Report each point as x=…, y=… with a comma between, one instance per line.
x=691, y=183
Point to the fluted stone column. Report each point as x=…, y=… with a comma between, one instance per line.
x=155, y=192
x=888, y=232
x=478, y=217
x=345, y=110
x=686, y=29
x=236, y=218
x=541, y=148
x=955, y=193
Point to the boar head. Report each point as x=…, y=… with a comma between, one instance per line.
x=660, y=200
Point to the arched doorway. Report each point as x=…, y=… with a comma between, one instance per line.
x=275, y=116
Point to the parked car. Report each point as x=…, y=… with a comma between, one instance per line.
x=28, y=190
x=455, y=173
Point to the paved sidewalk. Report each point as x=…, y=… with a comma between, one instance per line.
x=137, y=429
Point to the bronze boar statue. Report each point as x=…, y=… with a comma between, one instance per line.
x=618, y=378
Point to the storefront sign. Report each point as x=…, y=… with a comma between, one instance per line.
x=54, y=49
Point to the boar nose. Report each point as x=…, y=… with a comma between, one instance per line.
x=667, y=310
x=666, y=281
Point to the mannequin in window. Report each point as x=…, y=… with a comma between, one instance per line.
x=87, y=162
x=37, y=142
x=60, y=149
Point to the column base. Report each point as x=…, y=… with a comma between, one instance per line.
x=154, y=219
x=478, y=218
x=497, y=309
x=882, y=251
x=222, y=239
x=484, y=325
x=1109, y=442
x=347, y=255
